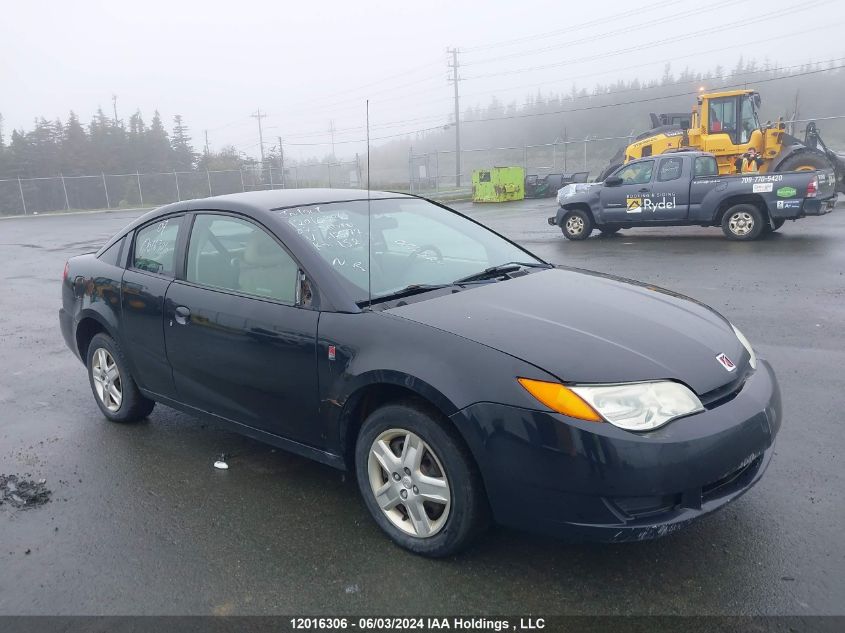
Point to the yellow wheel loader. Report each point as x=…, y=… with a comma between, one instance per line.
x=726, y=125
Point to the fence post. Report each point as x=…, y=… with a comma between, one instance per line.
x=410, y=169
x=140, y=193
x=23, y=201
x=106, y=190
x=436, y=170
x=243, y=186
x=329, y=165
x=64, y=188
x=208, y=177
x=525, y=157
x=585, y=152
x=178, y=193
x=296, y=176
x=554, y=156
x=272, y=186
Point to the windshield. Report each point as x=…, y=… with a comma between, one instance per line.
x=414, y=243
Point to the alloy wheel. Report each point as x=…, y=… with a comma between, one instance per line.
x=409, y=483
x=107, y=381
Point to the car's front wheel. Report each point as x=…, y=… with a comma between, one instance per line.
x=115, y=391
x=418, y=480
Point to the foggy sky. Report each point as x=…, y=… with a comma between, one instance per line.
x=306, y=63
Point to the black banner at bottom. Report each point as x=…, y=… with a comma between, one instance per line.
x=426, y=624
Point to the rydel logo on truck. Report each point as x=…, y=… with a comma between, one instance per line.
x=637, y=204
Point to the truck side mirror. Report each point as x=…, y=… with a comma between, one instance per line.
x=613, y=181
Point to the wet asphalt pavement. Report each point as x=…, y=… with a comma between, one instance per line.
x=141, y=523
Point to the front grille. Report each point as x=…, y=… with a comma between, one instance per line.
x=730, y=481
x=727, y=392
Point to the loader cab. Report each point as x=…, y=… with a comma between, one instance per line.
x=729, y=125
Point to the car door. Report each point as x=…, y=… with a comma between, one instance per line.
x=626, y=202
x=150, y=271
x=240, y=345
x=670, y=191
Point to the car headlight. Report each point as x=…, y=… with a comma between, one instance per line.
x=753, y=357
x=636, y=406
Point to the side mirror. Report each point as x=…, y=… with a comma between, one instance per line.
x=613, y=181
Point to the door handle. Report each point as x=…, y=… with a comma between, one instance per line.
x=182, y=315
x=644, y=190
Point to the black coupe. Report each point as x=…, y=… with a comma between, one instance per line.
x=459, y=376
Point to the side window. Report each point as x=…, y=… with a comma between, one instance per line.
x=722, y=116
x=670, y=169
x=748, y=120
x=155, y=246
x=706, y=166
x=234, y=254
x=637, y=173
x=112, y=254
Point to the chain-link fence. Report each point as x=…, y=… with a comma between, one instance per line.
x=25, y=196
x=431, y=173
x=435, y=171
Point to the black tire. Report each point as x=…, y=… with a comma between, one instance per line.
x=133, y=406
x=454, y=524
x=805, y=160
x=576, y=225
x=610, y=230
x=743, y=222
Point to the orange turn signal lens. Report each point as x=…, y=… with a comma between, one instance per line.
x=558, y=398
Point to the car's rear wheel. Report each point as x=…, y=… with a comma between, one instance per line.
x=576, y=225
x=418, y=480
x=115, y=391
x=743, y=222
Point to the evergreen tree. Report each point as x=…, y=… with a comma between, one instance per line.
x=183, y=154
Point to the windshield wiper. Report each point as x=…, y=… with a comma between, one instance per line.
x=496, y=271
x=407, y=291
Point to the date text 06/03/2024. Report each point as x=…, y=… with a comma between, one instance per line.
x=424, y=624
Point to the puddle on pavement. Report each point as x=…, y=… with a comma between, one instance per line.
x=22, y=492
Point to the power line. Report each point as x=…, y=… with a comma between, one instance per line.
x=582, y=25
x=586, y=108
x=627, y=29
x=648, y=45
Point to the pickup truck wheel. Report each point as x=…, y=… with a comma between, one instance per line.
x=576, y=225
x=743, y=222
x=115, y=391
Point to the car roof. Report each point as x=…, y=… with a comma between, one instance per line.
x=278, y=198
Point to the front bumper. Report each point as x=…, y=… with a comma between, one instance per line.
x=547, y=472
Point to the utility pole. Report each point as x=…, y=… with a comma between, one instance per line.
x=114, y=107
x=260, y=116
x=454, y=79
x=207, y=152
x=331, y=130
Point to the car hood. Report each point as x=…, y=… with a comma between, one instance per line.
x=591, y=328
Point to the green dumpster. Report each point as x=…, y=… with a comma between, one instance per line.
x=498, y=184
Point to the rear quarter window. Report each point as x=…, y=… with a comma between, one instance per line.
x=155, y=247
x=112, y=255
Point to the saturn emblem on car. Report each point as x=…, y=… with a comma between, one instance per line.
x=725, y=362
